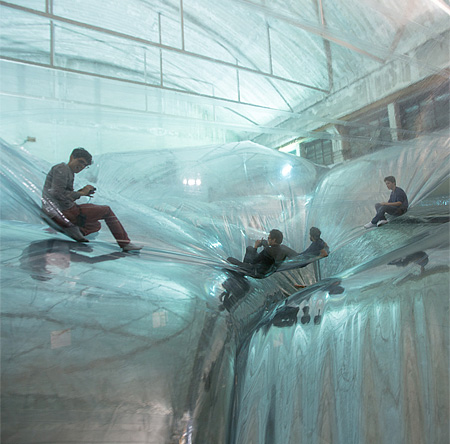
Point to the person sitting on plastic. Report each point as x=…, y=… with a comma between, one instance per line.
x=318, y=246
x=273, y=253
x=396, y=205
x=58, y=197
x=317, y=249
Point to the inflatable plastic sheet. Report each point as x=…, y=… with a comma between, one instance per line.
x=103, y=346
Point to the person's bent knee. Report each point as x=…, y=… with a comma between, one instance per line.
x=396, y=212
x=106, y=209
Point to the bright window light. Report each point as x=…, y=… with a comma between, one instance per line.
x=286, y=170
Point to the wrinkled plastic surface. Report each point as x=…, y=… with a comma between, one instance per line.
x=102, y=346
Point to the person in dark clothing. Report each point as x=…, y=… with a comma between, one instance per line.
x=58, y=199
x=318, y=246
x=396, y=205
x=317, y=249
x=273, y=253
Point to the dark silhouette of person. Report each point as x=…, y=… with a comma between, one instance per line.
x=419, y=257
x=272, y=255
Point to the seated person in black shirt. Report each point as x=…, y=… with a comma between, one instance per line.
x=317, y=249
x=396, y=205
x=318, y=246
x=273, y=253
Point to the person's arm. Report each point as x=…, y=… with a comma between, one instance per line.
x=86, y=190
x=391, y=204
x=261, y=243
x=396, y=200
x=324, y=251
x=252, y=256
x=264, y=256
x=316, y=249
x=290, y=252
x=61, y=189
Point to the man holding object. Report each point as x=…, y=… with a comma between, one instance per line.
x=59, y=198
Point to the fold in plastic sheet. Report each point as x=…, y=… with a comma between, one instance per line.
x=365, y=361
x=102, y=346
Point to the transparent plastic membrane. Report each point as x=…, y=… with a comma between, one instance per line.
x=104, y=346
x=174, y=344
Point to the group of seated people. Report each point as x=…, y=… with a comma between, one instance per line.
x=79, y=220
x=274, y=253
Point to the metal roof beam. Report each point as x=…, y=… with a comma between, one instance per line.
x=161, y=46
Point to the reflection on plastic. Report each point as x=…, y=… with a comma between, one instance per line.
x=138, y=341
x=42, y=259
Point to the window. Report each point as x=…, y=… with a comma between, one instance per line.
x=318, y=151
x=425, y=112
x=372, y=130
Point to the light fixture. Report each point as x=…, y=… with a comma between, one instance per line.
x=192, y=181
x=286, y=170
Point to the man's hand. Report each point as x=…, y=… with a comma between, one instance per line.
x=323, y=253
x=87, y=190
x=258, y=243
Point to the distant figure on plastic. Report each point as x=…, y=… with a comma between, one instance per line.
x=273, y=253
x=396, y=205
x=317, y=249
x=58, y=197
x=318, y=246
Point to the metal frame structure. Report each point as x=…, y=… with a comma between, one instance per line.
x=55, y=18
x=379, y=54
x=327, y=35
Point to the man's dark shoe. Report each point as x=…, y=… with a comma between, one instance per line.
x=75, y=233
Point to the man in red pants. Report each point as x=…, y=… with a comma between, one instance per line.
x=79, y=220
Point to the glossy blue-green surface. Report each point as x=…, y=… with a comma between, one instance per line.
x=103, y=346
